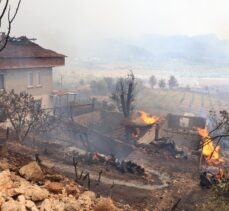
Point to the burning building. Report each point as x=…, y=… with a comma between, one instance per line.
x=182, y=129
x=139, y=123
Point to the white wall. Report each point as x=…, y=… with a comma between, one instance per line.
x=17, y=79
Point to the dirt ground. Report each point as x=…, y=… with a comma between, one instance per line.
x=182, y=180
x=174, y=182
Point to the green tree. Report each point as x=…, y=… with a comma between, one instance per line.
x=162, y=83
x=153, y=81
x=172, y=82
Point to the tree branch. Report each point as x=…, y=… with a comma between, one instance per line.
x=5, y=38
x=3, y=11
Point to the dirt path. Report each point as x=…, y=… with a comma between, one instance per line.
x=65, y=168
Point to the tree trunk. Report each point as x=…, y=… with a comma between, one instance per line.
x=129, y=98
x=122, y=98
x=20, y=137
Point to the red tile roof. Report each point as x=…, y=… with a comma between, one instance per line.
x=24, y=53
x=23, y=47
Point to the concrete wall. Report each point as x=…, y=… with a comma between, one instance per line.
x=190, y=141
x=184, y=137
x=17, y=79
x=185, y=122
x=148, y=137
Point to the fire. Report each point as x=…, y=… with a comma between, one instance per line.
x=135, y=133
x=209, y=151
x=148, y=119
x=220, y=174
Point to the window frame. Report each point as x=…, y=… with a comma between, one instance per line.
x=30, y=83
x=3, y=81
x=38, y=79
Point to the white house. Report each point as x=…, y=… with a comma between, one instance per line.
x=26, y=66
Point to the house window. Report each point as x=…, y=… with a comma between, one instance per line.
x=2, y=81
x=184, y=122
x=30, y=79
x=38, y=78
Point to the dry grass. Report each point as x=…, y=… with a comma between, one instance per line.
x=214, y=204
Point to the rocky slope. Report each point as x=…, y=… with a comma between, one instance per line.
x=35, y=187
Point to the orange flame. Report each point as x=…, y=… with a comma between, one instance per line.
x=148, y=119
x=210, y=152
x=220, y=174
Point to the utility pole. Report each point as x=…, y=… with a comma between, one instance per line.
x=61, y=81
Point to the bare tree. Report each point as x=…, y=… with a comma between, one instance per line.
x=219, y=122
x=220, y=128
x=124, y=94
x=24, y=113
x=7, y=15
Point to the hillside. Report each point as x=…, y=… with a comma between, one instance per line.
x=175, y=51
x=28, y=185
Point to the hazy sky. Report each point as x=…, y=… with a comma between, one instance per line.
x=72, y=22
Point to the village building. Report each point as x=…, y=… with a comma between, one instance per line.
x=26, y=66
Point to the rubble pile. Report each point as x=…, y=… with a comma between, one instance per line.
x=123, y=166
x=168, y=146
x=130, y=167
x=212, y=177
x=30, y=188
x=207, y=179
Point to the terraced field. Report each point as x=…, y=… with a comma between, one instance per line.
x=180, y=102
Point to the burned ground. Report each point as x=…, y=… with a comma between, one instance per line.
x=181, y=176
x=169, y=181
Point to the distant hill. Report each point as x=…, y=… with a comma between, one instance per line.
x=203, y=49
x=156, y=51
